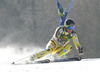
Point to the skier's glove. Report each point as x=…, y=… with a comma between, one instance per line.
x=80, y=50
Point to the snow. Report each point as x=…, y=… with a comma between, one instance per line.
x=7, y=56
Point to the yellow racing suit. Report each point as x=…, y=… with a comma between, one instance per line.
x=59, y=43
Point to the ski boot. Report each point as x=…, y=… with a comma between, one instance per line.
x=33, y=57
x=31, y=60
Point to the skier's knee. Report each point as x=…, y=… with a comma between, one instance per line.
x=65, y=50
x=68, y=47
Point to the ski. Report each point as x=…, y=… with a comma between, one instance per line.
x=32, y=62
x=43, y=61
x=48, y=61
x=68, y=59
x=60, y=60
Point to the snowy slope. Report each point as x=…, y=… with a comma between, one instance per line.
x=90, y=65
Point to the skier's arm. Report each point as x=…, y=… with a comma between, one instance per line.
x=77, y=44
x=58, y=31
x=57, y=36
x=76, y=41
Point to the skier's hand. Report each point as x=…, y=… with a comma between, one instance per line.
x=80, y=50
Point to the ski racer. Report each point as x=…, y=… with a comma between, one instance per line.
x=59, y=42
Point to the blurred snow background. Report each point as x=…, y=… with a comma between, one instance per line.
x=7, y=56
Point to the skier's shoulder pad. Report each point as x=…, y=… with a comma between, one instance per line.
x=60, y=29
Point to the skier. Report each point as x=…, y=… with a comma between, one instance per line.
x=58, y=45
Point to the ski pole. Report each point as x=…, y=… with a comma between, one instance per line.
x=21, y=59
x=24, y=58
x=68, y=9
x=70, y=6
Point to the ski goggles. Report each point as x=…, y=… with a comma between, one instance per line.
x=70, y=27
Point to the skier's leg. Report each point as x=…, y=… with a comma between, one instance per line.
x=50, y=46
x=40, y=54
x=64, y=50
